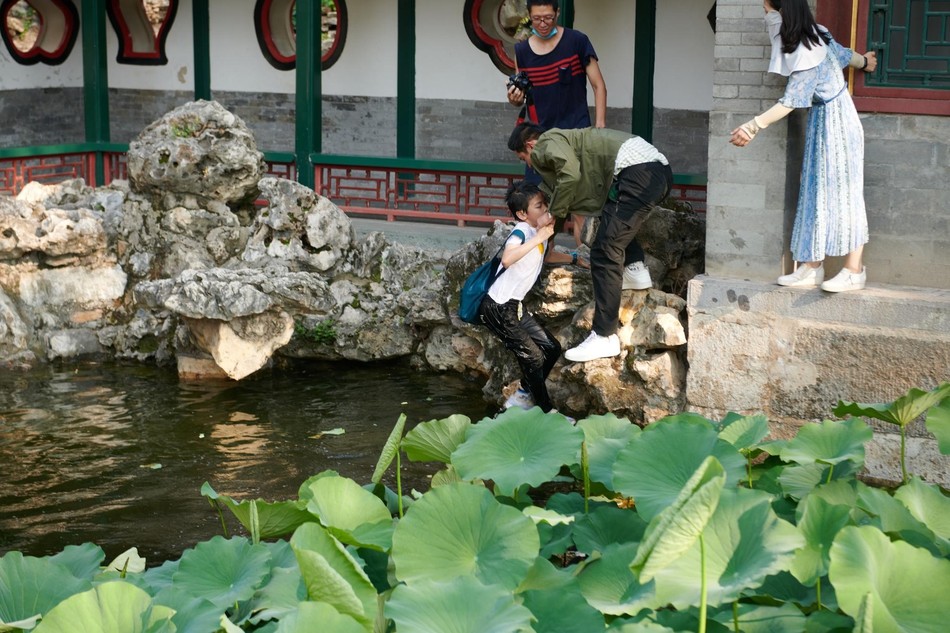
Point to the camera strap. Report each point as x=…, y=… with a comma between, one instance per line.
x=528, y=113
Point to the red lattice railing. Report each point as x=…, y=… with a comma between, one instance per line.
x=15, y=173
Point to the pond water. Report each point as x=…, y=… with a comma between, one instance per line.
x=116, y=453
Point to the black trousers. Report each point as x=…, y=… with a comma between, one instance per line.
x=639, y=189
x=535, y=348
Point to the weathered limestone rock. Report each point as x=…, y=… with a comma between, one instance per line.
x=242, y=345
x=52, y=237
x=300, y=229
x=14, y=333
x=198, y=148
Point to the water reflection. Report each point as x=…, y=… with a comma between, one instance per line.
x=116, y=453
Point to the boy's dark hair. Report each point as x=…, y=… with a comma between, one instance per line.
x=555, y=6
x=523, y=133
x=519, y=195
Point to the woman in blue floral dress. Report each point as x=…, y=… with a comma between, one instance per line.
x=830, y=218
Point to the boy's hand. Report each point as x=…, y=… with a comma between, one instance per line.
x=546, y=232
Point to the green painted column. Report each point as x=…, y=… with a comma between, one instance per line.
x=406, y=80
x=643, y=65
x=95, y=78
x=308, y=134
x=566, y=13
x=201, y=26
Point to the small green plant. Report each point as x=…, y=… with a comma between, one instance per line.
x=186, y=127
x=323, y=333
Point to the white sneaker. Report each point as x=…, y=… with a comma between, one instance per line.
x=636, y=276
x=594, y=346
x=520, y=398
x=804, y=277
x=846, y=280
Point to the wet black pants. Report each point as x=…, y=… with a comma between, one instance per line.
x=536, y=349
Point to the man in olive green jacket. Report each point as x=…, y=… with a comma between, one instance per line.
x=613, y=174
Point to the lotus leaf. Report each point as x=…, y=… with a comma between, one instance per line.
x=610, y=586
x=540, y=515
x=332, y=575
x=32, y=586
x=83, y=561
x=274, y=519
x=192, y=615
x=222, y=571
x=889, y=514
x=562, y=610
x=606, y=436
x=799, y=481
x=460, y=605
x=607, y=525
x=461, y=530
x=929, y=506
x=902, y=588
x=820, y=523
x=656, y=464
x=763, y=619
x=390, y=449
x=280, y=595
x=113, y=607
x=353, y=514
x=829, y=443
x=902, y=411
x=435, y=440
x=744, y=432
x=674, y=530
x=638, y=626
x=938, y=423
x=830, y=622
x=318, y=617
x=518, y=447
x=744, y=543
x=544, y=575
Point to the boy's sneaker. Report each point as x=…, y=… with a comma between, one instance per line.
x=594, y=346
x=636, y=276
x=520, y=398
x=804, y=277
x=846, y=280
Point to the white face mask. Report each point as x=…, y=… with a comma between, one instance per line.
x=801, y=58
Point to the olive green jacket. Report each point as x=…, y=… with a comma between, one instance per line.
x=577, y=168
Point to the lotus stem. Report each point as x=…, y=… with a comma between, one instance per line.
x=818, y=593
x=585, y=473
x=903, y=456
x=399, y=481
x=831, y=471
x=735, y=616
x=748, y=464
x=702, y=584
x=224, y=527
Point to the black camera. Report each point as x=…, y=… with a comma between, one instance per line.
x=520, y=81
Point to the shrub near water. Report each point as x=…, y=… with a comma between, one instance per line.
x=537, y=525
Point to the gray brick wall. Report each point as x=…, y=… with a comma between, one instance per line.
x=61, y=123
x=131, y=111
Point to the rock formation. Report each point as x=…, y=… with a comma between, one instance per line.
x=201, y=260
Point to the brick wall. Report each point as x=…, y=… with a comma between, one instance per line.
x=61, y=123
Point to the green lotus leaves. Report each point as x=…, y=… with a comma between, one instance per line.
x=744, y=432
x=606, y=436
x=462, y=530
x=273, y=519
x=562, y=609
x=829, y=443
x=112, y=607
x=763, y=619
x=354, y=515
x=675, y=529
x=744, y=543
x=32, y=586
x=332, y=575
x=902, y=411
x=897, y=586
x=460, y=605
x=820, y=523
x=435, y=440
x=929, y=506
x=607, y=525
x=938, y=423
x=83, y=561
x=390, y=449
x=222, y=571
x=657, y=463
x=192, y=615
x=609, y=585
x=318, y=617
x=518, y=447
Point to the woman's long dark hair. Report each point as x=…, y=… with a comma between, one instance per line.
x=798, y=25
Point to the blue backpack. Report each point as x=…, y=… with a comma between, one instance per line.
x=477, y=284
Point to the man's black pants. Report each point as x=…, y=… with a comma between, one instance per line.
x=639, y=189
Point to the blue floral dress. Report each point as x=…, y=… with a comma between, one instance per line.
x=830, y=218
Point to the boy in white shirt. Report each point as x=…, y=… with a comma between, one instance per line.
x=535, y=348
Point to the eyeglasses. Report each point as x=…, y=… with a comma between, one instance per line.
x=543, y=19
